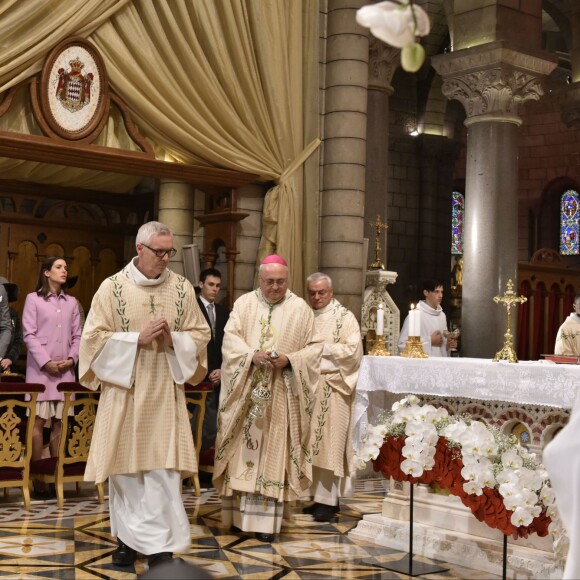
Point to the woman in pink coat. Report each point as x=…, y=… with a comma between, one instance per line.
x=52, y=333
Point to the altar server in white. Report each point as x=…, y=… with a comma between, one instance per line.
x=433, y=322
x=144, y=337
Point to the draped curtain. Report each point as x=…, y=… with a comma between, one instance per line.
x=209, y=82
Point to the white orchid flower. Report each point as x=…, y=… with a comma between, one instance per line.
x=511, y=459
x=429, y=463
x=547, y=495
x=369, y=451
x=398, y=23
x=509, y=490
x=454, y=431
x=507, y=476
x=530, y=478
x=379, y=430
x=530, y=498
x=472, y=487
x=411, y=467
x=416, y=428
x=486, y=478
x=393, y=22
x=521, y=517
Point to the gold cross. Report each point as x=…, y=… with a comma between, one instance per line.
x=378, y=225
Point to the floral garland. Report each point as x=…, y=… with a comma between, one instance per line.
x=503, y=484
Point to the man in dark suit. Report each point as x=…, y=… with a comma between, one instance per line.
x=216, y=315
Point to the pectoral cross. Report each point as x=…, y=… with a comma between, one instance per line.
x=378, y=225
x=152, y=305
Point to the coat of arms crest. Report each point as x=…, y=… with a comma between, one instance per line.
x=74, y=88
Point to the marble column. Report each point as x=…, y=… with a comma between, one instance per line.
x=176, y=210
x=383, y=62
x=344, y=154
x=491, y=81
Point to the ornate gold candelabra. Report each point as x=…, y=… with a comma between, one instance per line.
x=509, y=298
x=378, y=225
x=414, y=348
x=376, y=344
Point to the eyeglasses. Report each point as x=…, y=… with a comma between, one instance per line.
x=161, y=253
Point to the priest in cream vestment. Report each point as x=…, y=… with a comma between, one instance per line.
x=568, y=337
x=144, y=337
x=269, y=374
x=331, y=429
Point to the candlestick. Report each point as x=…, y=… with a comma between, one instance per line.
x=380, y=320
x=414, y=321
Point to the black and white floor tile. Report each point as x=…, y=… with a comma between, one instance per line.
x=74, y=543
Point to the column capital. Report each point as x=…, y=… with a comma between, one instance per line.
x=383, y=62
x=492, y=80
x=569, y=100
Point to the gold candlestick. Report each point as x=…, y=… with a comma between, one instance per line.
x=414, y=348
x=376, y=344
x=509, y=298
x=378, y=225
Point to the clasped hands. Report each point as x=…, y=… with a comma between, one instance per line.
x=57, y=367
x=270, y=359
x=156, y=329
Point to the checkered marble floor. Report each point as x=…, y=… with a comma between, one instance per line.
x=75, y=542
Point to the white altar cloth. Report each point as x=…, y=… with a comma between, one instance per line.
x=527, y=382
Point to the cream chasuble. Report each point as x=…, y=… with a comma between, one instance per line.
x=568, y=337
x=270, y=454
x=331, y=431
x=142, y=421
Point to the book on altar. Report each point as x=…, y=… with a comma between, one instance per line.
x=570, y=359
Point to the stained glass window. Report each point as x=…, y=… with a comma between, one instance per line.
x=569, y=223
x=457, y=216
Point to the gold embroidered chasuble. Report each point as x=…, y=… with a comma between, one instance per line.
x=331, y=431
x=280, y=438
x=568, y=337
x=146, y=426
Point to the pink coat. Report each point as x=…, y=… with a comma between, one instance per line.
x=52, y=331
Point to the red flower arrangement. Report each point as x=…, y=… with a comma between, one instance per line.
x=488, y=507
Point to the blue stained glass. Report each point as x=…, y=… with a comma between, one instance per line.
x=569, y=223
x=457, y=215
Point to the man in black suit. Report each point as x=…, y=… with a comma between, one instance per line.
x=216, y=315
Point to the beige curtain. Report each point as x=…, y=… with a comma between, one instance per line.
x=211, y=82
x=30, y=29
x=220, y=83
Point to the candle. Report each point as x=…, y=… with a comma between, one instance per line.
x=414, y=321
x=380, y=320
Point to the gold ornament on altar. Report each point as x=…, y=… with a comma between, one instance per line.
x=376, y=344
x=414, y=348
x=509, y=299
x=378, y=225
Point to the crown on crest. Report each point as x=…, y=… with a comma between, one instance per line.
x=76, y=64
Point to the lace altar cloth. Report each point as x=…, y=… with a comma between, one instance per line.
x=525, y=383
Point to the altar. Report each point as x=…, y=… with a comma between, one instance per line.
x=540, y=393
x=530, y=397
